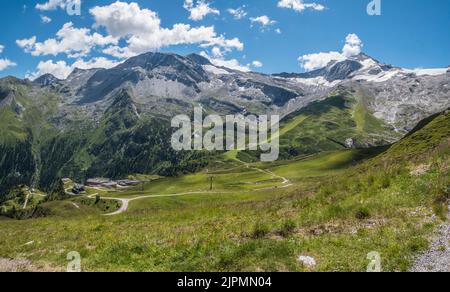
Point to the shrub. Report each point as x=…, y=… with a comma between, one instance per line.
x=36, y=212
x=327, y=190
x=260, y=230
x=442, y=190
x=335, y=211
x=362, y=213
x=57, y=192
x=3, y=210
x=370, y=180
x=441, y=210
x=357, y=187
x=385, y=182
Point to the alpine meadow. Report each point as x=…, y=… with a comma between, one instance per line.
x=145, y=136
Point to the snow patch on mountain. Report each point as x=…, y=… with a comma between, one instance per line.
x=215, y=70
x=381, y=77
x=428, y=72
x=317, y=81
x=167, y=84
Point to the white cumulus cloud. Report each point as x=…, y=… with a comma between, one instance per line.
x=130, y=30
x=54, y=4
x=220, y=61
x=319, y=60
x=257, y=64
x=263, y=20
x=199, y=9
x=75, y=42
x=58, y=69
x=142, y=31
x=62, y=70
x=353, y=46
x=5, y=63
x=238, y=13
x=299, y=5
x=45, y=19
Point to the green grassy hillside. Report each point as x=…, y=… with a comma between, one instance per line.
x=35, y=152
x=39, y=147
x=17, y=163
x=326, y=125
x=336, y=207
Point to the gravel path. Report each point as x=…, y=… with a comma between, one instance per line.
x=123, y=207
x=125, y=202
x=437, y=259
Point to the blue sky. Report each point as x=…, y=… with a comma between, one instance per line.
x=267, y=38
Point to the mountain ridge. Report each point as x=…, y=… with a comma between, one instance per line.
x=193, y=78
x=115, y=122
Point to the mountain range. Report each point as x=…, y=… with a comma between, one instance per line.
x=116, y=122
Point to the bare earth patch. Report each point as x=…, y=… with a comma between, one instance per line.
x=420, y=170
x=22, y=265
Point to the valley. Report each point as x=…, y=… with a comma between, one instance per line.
x=361, y=170
x=340, y=207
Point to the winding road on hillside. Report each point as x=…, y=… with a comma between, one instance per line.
x=125, y=202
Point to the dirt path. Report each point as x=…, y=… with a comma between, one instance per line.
x=437, y=258
x=123, y=208
x=284, y=180
x=125, y=202
x=274, y=175
x=23, y=265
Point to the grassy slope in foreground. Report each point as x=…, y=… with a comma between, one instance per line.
x=385, y=205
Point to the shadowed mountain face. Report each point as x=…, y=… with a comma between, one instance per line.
x=186, y=71
x=115, y=122
x=334, y=71
x=167, y=84
x=46, y=80
x=160, y=78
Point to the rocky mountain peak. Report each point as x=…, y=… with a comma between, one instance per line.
x=151, y=73
x=199, y=59
x=11, y=80
x=335, y=70
x=346, y=69
x=46, y=80
x=363, y=57
x=152, y=60
x=341, y=70
x=77, y=72
x=166, y=84
x=10, y=87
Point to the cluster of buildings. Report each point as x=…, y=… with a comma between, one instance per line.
x=111, y=184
